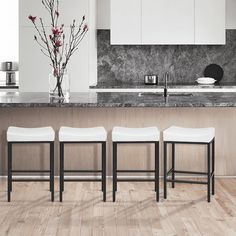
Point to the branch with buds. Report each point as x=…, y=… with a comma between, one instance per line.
x=54, y=45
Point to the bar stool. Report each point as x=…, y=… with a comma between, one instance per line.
x=17, y=135
x=122, y=135
x=69, y=135
x=200, y=136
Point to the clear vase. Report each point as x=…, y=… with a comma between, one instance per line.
x=59, y=86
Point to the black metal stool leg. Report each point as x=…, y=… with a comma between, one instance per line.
x=173, y=164
x=165, y=170
x=102, y=185
x=157, y=171
x=50, y=163
x=9, y=171
x=114, y=170
x=61, y=170
x=208, y=173
x=11, y=182
x=52, y=170
x=104, y=170
x=213, y=167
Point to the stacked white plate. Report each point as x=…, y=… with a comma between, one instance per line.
x=206, y=80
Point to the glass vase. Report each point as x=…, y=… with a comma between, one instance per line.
x=59, y=86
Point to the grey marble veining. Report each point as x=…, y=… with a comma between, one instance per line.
x=115, y=100
x=129, y=64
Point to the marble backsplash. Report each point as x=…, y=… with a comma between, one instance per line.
x=129, y=64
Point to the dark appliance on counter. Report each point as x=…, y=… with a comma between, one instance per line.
x=150, y=79
x=10, y=68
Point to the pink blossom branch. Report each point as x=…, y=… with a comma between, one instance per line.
x=46, y=5
x=46, y=41
x=53, y=45
x=44, y=53
x=57, y=12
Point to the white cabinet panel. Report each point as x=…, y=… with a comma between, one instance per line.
x=125, y=21
x=103, y=14
x=168, y=21
x=209, y=21
x=69, y=10
x=230, y=14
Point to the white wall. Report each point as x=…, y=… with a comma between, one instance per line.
x=104, y=14
x=34, y=66
x=9, y=41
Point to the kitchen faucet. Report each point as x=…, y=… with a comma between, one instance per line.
x=167, y=75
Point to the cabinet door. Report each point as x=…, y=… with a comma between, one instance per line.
x=167, y=21
x=210, y=21
x=125, y=21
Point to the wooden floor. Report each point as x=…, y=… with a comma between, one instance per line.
x=186, y=212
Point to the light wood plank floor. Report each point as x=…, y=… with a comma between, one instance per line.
x=186, y=212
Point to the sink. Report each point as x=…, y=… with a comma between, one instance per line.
x=148, y=94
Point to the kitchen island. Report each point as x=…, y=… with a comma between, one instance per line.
x=122, y=109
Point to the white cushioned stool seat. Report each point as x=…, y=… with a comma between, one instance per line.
x=69, y=134
x=18, y=134
x=180, y=134
x=123, y=134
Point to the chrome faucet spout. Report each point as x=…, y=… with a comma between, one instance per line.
x=166, y=79
x=166, y=84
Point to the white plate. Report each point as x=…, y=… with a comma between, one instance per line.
x=206, y=80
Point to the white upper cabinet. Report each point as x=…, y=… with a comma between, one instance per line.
x=126, y=21
x=168, y=22
x=210, y=21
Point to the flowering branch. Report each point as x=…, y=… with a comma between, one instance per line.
x=54, y=45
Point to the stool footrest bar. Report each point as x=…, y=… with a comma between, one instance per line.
x=186, y=172
x=30, y=171
x=135, y=180
x=83, y=171
x=135, y=171
x=82, y=180
x=30, y=180
x=186, y=181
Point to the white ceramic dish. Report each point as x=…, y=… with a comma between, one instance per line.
x=206, y=80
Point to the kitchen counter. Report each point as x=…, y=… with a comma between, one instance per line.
x=120, y=85
x=110, y=100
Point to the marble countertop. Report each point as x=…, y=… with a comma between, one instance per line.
x=116, y=100
x=120, y=85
